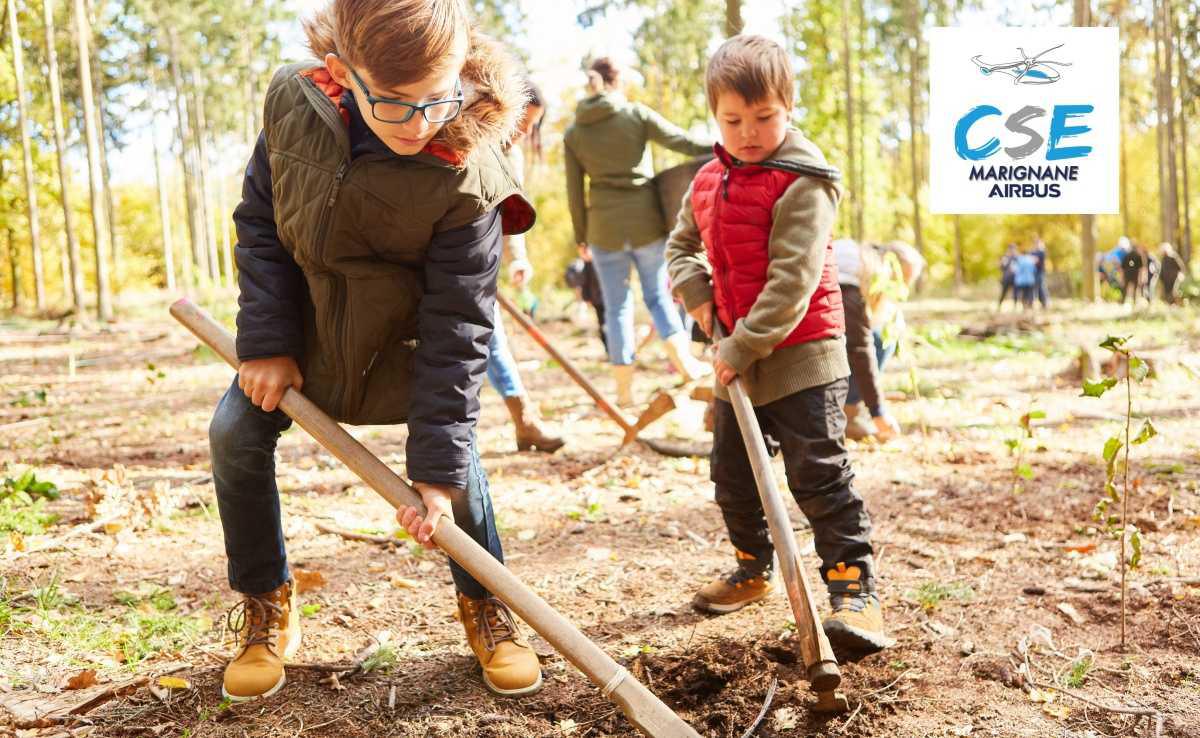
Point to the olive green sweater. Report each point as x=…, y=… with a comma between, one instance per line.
x=607, y=142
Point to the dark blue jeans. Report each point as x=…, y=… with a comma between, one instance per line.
x=243, y=439
x=808, y=427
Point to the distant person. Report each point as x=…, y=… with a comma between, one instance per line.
x=1039, y=257
x=1008, y=265
x=1132, y=264
x=1109, y=263
x=860, y=271
x=1169, y=272
x=1149, y=275
x=581, y=276
x=1025, y=278
x=618, y=221
x=502, y=372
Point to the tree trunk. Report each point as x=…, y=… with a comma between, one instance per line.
x=200, y=131
x=1168, y=35
x=859, y=212
x=83, y=33
x=224, y=221
x=1087, y=223
x=1184, y=99
x=1160, y=129
x=110, y=216
x=733, y=17
x=195, y=235
x=960, y=276
x=14, y=264
x=71, y=251
x=31, y=205
x=851, y=138
x=914, y=76
x=164, y=214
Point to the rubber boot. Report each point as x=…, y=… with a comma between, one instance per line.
x=623, y=373
x=530, y=433
x=679, y=350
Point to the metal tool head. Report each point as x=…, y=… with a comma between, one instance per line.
x=661, y=404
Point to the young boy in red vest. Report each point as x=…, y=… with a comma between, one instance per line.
x=753, y=238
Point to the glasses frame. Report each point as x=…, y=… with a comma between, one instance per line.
x=456, y=97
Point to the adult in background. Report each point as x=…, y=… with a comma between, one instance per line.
x=1039, y=258
x=1169, y=271
x=860, y=277
x=502, y=372
x=1132, y=264
x=619, y=223
x=1025, y=278
x=1008, y=264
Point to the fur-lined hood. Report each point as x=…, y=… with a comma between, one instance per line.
x=496, y=95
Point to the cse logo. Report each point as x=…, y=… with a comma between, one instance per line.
x=1060, y=128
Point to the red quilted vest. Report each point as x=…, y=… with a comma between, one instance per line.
x=732, y=204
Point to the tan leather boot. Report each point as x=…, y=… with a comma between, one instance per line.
x=857, y=427
x=530, y=433
x=623, y=373
x=856, y=624
x=268, y=632
x=510, y=666
x=679, y=350
x=749, y=582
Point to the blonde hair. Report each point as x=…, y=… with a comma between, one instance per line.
x=398, y=41
x=754, y=67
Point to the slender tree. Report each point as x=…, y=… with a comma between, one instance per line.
x=83, y=34
x=852, y=181
x=1087, y=223
x=914, y=81
x=733, y=17
x=72, y=262
x=1185, y=244
x=196, y=236
x=31, y=205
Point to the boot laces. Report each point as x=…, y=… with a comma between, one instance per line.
x=495, y=623
x=253, y=622
x=744, y=574
x=852, y=601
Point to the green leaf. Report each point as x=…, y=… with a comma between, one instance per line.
x=1135, y=542
x=1025, y=471
x=24, y=481
x=1012, y=443
x=1037, y=414
x=1097, y=389
x=1114, y=343
x=1147, y=432
x=1100, y=511
x=1110, y=489
x=1138, y=368
x=1111, y=447
x=310, y=610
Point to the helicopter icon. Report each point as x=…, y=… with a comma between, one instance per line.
x=1028, y=70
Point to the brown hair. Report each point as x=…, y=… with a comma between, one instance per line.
x=606, y=69
x=398, y=41
x=754, y=67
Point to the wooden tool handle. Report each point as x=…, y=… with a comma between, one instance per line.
x=642, y=708
x=568, y=367
x=814, y=644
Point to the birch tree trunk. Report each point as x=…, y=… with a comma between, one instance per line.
x=31, y=205
x=83, y=34
x=852, y=182
x=1168, y=35
x=195, y=234
x=1087, y=223
x=1184, y=99
x=914, y=76
x=164, y=213
x=200, y=133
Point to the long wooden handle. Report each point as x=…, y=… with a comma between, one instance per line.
x=626, y=425
x=640, y=705
x=814, y=644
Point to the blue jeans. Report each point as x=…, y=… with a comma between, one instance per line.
x=243, y=439
x=882, y=354
x=502, y=368
x=613, y=269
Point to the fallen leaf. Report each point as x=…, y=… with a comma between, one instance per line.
x=1083, y=548
x=403, y=582
x=526, y=535
x=16, y=540
x=1059, y=711
x=567, y=726
x=308, y=580
x=82, y=680
x=171, y=682
x=785, y=718
x=1069, y=610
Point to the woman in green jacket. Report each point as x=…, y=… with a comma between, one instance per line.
x=619, y=223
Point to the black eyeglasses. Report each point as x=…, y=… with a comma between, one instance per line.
x=390, y=110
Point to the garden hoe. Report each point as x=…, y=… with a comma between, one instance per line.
x=823, y=674
x=658, y=407
x=642, y=707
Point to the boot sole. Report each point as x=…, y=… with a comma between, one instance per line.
x=546, y=449
x=519, y=692
x=846, y=638
x=717, y=608
x=288, y=654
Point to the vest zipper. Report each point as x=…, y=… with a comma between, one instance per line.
x=724, y=256
x=339, y=282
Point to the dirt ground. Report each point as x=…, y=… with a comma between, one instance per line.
x=1000, y=590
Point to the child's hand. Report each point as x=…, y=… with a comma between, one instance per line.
x=725, y=373
x=437, y=499
x=519, y=271
x=584, y=252
x=265, y=380
x=886, y=428
x=702, y=314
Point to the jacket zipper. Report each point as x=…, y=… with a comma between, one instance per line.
x=720, y=250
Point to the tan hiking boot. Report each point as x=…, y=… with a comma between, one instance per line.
x=530, y=433
x=750, y=582
x=856, y=624
x=679, y=351
x=268, y=631
x=857, y=426
x=510, y=667
x=623, y=373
